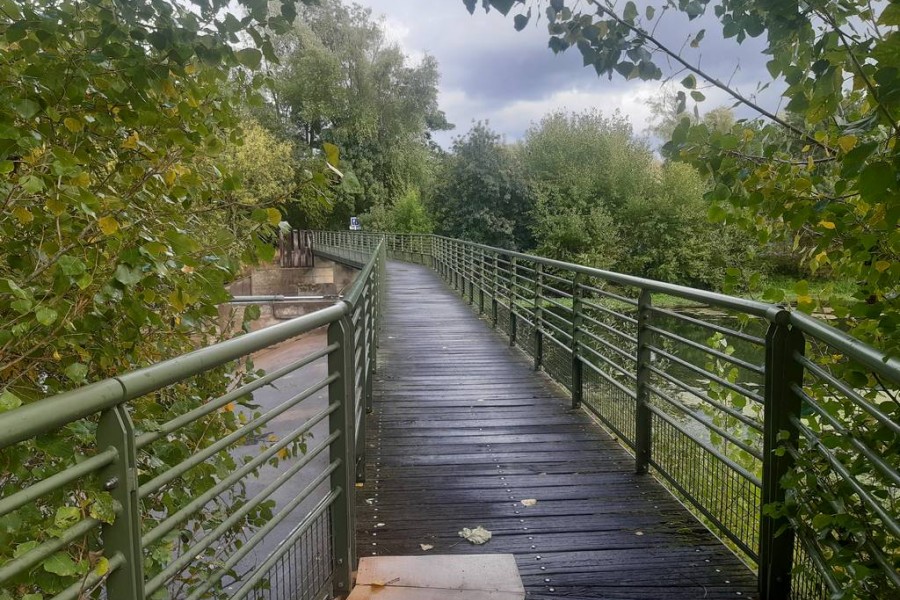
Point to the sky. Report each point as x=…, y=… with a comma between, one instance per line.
x=511, y=79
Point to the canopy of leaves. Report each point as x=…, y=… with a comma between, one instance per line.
x=119, y=230
x=482, y=194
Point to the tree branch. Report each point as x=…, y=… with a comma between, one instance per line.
x=712, y=80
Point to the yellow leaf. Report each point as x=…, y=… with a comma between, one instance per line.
x=190, y=69
x=169, y=88
x=804, y=300
x=272, y=438
x=102, y=566
x=73, y=124
x=229, y=407
x=23, y=215
x=882, y=265
x=847, y=142
x=283, y=454
x=187, y=269
x=83, y=179
x=274, y=216
x=827, y=224
x=108, y=225
x=56, y=206
x=170, y=177
x=131, y=142
x=175, y=300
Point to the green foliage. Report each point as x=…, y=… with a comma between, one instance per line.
x=342, y=82
x=603, y=199
x=481, y=193
x=406, y=215
x=121, y=225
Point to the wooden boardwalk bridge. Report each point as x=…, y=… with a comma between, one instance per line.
x=463, y=430
x=621, y=438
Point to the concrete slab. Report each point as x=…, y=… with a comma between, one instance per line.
x=439, y=577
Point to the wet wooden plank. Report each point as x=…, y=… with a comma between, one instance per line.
x=464, y=429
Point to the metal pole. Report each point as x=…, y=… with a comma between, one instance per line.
x=782, y=407
x=512, y=302
x=343, y=511
x=577, y=366
x=122, y=536
x=643, y=419
x=538, y=316
x=494, y=301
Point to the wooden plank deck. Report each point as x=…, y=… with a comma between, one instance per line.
x=464, y=429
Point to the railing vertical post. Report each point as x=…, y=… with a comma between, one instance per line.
x=481, y=281
x=122, y=536
x=494, y=301
x=577, y=366
x=782, y=407
x=470, y=269
x=512, y=301
x=343, y=513
x=538, y=310
x=368, y=342
x=643, y=418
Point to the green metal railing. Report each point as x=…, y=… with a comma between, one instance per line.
x=781, y=432
x=315, y=557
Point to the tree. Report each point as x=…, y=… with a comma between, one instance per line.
x=667, y=111
x=603, y=199
x=481, y=193
x=117, y=237
x=406, y=215
x=342, y=83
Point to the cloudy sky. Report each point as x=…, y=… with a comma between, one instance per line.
x=492, y=72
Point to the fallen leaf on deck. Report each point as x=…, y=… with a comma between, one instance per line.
x=370, y=500
x=529, y=502
x=479, y=535
x=379, y=524
x=426, y=547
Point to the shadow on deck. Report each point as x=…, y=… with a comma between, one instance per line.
x=464, y=429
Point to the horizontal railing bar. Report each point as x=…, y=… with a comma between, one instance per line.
x=631, y=375
x=565, y=346
x=611, y=329
x=46, y=549
x=849, y=392
x=711, y=351
x=556, y=277
x=177, y=423
x=714, y=327
x=750, y=477
x=558, y=305
x=723, y=407
x=700, y=371
x=611, y=295
x=234, y=559
x=57, y=480
x=283, y=548
x=545, y=322
x=886, y=469
x=189, y=463
x=712, y=426
x=606, y=376
x=609, y=311
x=233, y=519
x=590, y=335
x=857, y=350
x=556, y=291
x=77, y=589
x=158, y=532
x=886, y=519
